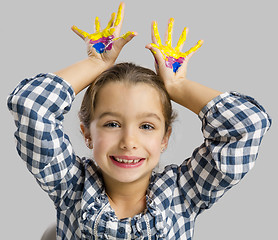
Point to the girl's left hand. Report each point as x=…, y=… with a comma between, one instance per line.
x=171, y=63
x=106, y=44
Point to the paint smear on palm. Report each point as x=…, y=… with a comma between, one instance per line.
x=173, y=56
x=103, y=40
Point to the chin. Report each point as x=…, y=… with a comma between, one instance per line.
x=131, y=177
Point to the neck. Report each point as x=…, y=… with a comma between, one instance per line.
x=127, y=199
x=126, y=191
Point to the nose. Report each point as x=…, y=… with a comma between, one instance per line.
x=128, y=140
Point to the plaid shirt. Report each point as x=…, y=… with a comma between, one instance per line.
x=232, y=124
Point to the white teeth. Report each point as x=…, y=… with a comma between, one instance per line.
x=126, y=161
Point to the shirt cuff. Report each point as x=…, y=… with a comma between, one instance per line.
x=212, y=103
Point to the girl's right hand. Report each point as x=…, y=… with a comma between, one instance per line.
x=106, y=44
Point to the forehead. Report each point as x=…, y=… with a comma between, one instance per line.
x=128, y=98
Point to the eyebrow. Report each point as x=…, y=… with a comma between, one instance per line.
x=141, y=115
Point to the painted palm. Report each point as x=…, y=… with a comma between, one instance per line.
x=173, y=56
x=102, y=40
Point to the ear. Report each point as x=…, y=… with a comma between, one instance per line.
x=87, y=136
x=165, y=139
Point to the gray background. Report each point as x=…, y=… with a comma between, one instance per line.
x=239, y=53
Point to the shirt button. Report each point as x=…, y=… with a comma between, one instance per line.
x=121, y=230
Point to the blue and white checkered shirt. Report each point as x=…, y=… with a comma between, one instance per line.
x=233, y=126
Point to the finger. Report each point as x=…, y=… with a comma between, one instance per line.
x=192, y=50
x=169, y=31
x=181, y=71
x=111, y=21
x=119, y=14
x=158, y=56
x=80, y=32
x=129, y=35
x=126, y=35
x=124, y=39
x=119, y=19
x=155, y=34
x=182, y=39
x=97, y=24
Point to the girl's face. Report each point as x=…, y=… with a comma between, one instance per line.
x=128, y=131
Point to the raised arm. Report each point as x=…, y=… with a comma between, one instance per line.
x=171, y=65
x=103, y=48
x=39, y=104
x=233, y=126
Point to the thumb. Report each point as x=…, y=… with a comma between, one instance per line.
x=125, y=38
x=158, y=57
x=82, y=34
x=183, y=68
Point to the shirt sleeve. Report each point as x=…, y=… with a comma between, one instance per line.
x=38, y=106
x=233, y=126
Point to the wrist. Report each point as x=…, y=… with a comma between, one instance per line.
x=174, y=86
x=99, y=63
x=81, y=74
x=190, y=94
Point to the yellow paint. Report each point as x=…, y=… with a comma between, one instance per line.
x=108, y=31
x=110, y=23
x=97, y=35
x=124, y=36
x=154, y=52
x=167, y=50
x=182, y=39
x=119, y=15
x=196, y=47
x=170, y=30
x=97, y=24
x=156, y=34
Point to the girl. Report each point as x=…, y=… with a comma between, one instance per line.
x=126, y=118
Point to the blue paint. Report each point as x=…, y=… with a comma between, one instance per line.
x=100, y=47
x=176, y=66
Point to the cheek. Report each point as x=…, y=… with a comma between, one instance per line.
x=101, y=147
x=154, y=146
x=102, y=142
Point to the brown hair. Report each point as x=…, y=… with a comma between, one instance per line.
x=131, y=74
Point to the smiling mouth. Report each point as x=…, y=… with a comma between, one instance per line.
x=121, y=160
